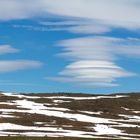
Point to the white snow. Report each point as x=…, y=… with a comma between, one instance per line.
x=85, y=98
x=91, y=113
x=57, y=131
x=57, y=108
x=60, y=101
x=20, y=95
x=105, y=130
x=127, y=109
x=6, y=103
x=6, y=116
x=101, y=126
x=39, y=108
x=38, y=123
x=130, y=118
x=125, y=125
x=136, y=112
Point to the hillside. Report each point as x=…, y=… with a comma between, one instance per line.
x=70, y=115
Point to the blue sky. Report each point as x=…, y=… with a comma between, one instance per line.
x=90, y=46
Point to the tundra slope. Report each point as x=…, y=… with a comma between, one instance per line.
x=70, y=115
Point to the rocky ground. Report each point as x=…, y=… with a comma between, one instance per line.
x=114, y=116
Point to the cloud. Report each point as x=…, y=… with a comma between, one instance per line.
x=94, y=69
x=99, y=48
x=15, y=65
x=17, y=9
x=20, y=84
x=78, y=26
x=4, y=49
x=116, y=13
x=94, y=73
x=93, y=60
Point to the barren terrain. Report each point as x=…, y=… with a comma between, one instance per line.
x=70, y=116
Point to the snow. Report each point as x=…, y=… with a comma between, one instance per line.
x=130, y=118
x=86, y=98
x=55, y=131
x=39, y=108
x=127, y=109
x=99, y=126
x=6, y=103
x=105, y=130
x=38, y=123
x=29, y=105
x=57, y=108
x=125, y=125
x=7, y=116
x=60, y=101
x=20, y=96
x=91, y=113
x=136, y=112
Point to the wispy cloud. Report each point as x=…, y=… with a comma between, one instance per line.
x=117, y=13
x=100, y=48
x=4, y=49
x=94, y=59
x=14, y=65
x=78, y=26
x=90, y=16
x=92, y=73
x=17, y=9
x=67, y=26
x=80, y=16
x=20, y=84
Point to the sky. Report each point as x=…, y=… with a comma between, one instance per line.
x=88, y=46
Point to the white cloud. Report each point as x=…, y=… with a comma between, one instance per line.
x=14, y=65
x=120, y=13
x=18, y=9
x=89, y=29
x=4, y=49
x=78, y=26
x=100, y=48
x=20, y=84
x=94, y=60
x=92, y=73
x=84, y=82
x=116, y=13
